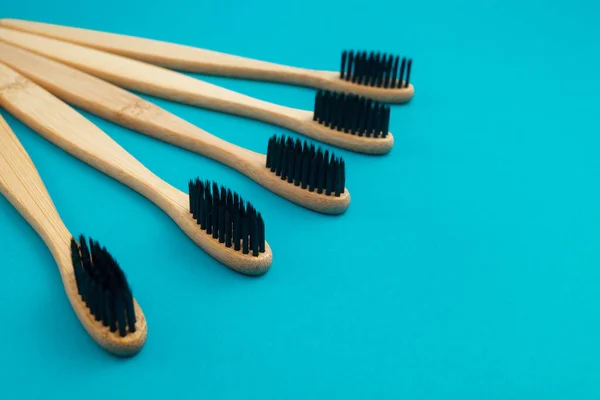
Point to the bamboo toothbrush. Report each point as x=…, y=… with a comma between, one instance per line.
x=95, y=285
x=214, y=218
x=341, y=120
x=312, y=179
x=378, y=76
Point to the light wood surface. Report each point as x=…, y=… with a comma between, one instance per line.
x=69, y=130
x=193, y=59
x=21, y=184
x=122, y=107
x=161, y=82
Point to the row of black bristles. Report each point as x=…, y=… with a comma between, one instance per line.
x=103, y=286
x=376, y=69
x=224, y=215
x=352, y=114
x=306, y=166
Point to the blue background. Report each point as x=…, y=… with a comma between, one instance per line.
x=467, y=266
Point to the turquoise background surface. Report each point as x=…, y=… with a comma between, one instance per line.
x=467, y=266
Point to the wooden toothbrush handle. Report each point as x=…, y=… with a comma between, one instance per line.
x=170, y=55
x=72, y=132
x=193, y=59
x=22, y=185
x=120, y=106
x=156, y=81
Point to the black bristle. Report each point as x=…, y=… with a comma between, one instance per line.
x=350, y=64
x=329, y=179
x=254, y=232
x=322, y=171
x=215, y=210
x=291, y=163
x=222, y=226
x=312, y=175
x=343, y=68
x=378, y=120
x=348, y=105
x=312, y=168
x=352, y=114
x=369, y=118
x=222, y=214
x=375, y=69
x=108, y=312
x=368, y=69
x=360, y=116
x=244, y=219
x=333, y=110
x=354, y=108
x=208, y=203
x=191, y=189
x=326, y=107
x=76, y=259
x=305, y=166
x=386, y=121
x=229, y=198
x=395, y=71
x=120, y=312
x=408, y=68
x=401, y=73
x=224, y=194
x=358, y=73
x=286, y=152
x=380, y=65
x=354, y=67
x=365, y=76
x=201, y=204
x=277, y=158
x=270, y=153
x=340, y=176
x=237, y=227
x=227, y=228
x=388, y=71
x=102, y=286
x=318, y=100
x=298, y=169
x=261, y=233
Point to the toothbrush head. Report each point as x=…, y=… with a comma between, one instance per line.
x=376, y=69
x=103, y=287
x=352, y=114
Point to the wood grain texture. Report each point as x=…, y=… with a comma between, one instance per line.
x=122, y=107
x=161, y=82
x=69, y=130
x=193, y=59
x=21, y=184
